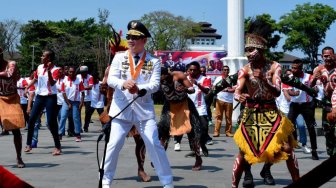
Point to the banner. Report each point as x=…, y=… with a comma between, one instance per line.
x=208, y=59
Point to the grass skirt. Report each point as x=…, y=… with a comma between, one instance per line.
x=262, y=133
x=11, y=113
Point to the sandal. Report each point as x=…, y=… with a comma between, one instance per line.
x=20, y=163
x=27, y=149
x=56, y=152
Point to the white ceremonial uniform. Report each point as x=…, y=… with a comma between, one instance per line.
x=140, y=113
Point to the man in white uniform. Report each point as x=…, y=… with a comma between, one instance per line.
x=130, y=72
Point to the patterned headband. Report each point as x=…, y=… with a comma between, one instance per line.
x=255, y=41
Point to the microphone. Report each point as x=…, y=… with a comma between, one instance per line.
x=105, y=129
x=142, y=92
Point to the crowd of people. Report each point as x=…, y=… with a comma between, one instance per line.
x=272, y=109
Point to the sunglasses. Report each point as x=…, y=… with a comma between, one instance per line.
x=326, y=56
x=226, y=69
x=133, y=37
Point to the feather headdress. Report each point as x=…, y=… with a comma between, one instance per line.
x=257, y=32
x=116, y=43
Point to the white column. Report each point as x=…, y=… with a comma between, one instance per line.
x=235, y=58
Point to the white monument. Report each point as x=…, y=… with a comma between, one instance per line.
x=235, y=58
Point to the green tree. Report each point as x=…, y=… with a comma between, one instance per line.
x=35, y=35
x=272, y=37
x=169, y=32
x=77, y=45
x=306, y=28
x=75, y=42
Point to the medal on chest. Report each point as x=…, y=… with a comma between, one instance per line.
x=147, y=69
x=124, y=67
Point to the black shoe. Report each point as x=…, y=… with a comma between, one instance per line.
x=86, y=129
x=190, y=154
x=248, y=180
x=71, y=134
x=268, y=178
x=314, y=155
x=205, y=150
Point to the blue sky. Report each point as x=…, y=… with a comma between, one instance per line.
x=121, y=12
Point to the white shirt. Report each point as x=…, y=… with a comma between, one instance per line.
x=97, y=99
x=222, y=95
x=60, y=98
x=43, y=86
x=32, y=88
x=72, y=88
x=198, y=96
x=22, y=83
x=86, y=82
x=303, y=96
x=282, y=102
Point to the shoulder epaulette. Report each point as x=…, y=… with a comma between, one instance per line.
x=120, y=52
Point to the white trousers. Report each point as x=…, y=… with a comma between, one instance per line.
x=149, y=133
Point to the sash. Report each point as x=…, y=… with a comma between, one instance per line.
x=135, y=71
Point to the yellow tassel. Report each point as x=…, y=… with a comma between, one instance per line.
x=273, y=153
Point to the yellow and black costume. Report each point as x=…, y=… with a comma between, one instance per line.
x=262, y=132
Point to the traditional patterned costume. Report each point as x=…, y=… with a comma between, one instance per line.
x=264, y=134
x=10, y=110
x=11, y=114
x=329, y=102
x=179, y=116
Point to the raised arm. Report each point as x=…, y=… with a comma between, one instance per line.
x=178, y=75
x=273, y=80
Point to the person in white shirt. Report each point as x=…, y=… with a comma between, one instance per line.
x=131, y=73
x=86, y=78
x=208, y=102
x=73, y=93
x=21, y=86
x=97, y=98
x=60, y=98
x=202, y=86
x=31, y=99
x=224, y=104
x=283, y=103
x=45, y=98
x=303, y=104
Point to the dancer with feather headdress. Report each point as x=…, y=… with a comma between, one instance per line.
x=264, y=134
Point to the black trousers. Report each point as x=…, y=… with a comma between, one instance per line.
x=24, y=109
x=307, y=110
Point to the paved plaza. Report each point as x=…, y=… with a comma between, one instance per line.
x=78, y=167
